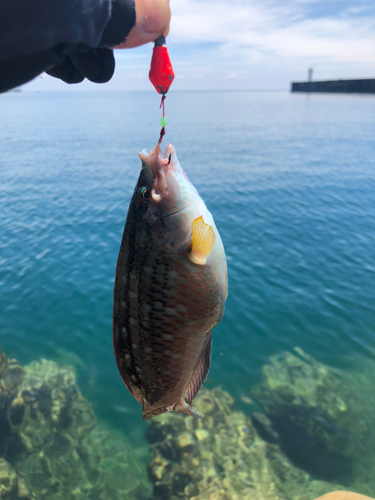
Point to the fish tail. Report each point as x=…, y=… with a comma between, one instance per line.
x=181, y=406
x=189, y=411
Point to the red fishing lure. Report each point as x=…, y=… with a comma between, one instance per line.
x=161, y=72
x=161, y=75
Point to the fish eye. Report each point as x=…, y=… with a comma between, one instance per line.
x=145, y=193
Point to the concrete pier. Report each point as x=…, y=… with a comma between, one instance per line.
x=363, y=86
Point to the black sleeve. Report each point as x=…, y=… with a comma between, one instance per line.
x=67, y=38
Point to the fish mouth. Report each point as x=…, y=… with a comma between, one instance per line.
x=159, y=168
x=170, y=151
x=158, y=163
x=170, y=155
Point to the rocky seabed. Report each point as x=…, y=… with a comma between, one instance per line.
x=315, y=435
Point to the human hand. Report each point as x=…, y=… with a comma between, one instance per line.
x=152, y=20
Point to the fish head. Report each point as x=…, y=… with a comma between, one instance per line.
x=166, y=196
x=167, y=185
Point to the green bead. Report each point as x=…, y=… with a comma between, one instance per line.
x=163, y=122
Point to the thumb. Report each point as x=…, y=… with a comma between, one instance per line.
x=152, y=20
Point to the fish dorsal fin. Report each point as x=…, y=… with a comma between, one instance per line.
x=203, y=240
x=200, y=373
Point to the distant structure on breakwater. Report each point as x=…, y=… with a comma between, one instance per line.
x=361, y=86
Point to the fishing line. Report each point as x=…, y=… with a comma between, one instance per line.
x=161, y=76
x=163, y=121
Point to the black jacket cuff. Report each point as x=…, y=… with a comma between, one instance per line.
x=120, y=23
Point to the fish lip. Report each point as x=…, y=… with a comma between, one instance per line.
x=170, y=157
x=156, y=162
x=159, y=168
x=152, y=158
x=156, y=151
x=169, y=149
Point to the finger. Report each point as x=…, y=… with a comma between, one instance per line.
x=97, y=65
x=152, y=20
x=67, y=72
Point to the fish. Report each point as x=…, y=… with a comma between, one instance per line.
x=170, y=288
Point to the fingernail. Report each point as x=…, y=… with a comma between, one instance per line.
x=152, y=20
x=156, y=16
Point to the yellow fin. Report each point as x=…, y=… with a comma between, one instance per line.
x=203, y=240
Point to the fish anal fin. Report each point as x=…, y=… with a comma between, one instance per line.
x=203, y=240
x=200, y=373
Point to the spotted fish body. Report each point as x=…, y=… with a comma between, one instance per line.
x=170, y=288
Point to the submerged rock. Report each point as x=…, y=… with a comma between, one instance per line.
x=221, y=457
x=3, y=364
x=51, y=446
x=264, y=427
x=321, y=422
x=50, y=436
x=11, y=486
x=54, y=411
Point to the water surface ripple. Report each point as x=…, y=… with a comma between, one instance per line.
x=290, y=180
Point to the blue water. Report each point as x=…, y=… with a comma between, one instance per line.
x=290, y=180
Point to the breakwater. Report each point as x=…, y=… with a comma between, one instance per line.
x=363, y=86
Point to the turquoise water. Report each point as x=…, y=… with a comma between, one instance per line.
x=289, y=179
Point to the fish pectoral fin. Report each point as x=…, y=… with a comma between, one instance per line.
x=203, y=240
x=200, y=372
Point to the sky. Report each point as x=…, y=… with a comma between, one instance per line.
x=250, y=45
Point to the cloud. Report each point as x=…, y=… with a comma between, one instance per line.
x=253, y=44
x=248, y=36
x=265, y=30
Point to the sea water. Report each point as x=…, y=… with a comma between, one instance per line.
x=289, y=179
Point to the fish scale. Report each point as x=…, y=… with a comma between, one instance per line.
x=165, y=305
